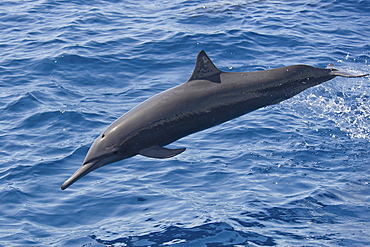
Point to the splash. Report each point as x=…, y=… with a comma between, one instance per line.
x=343, y=101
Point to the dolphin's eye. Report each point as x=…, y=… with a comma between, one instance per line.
x=102, y=136
x=115, y=152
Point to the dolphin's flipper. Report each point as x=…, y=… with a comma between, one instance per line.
x=160, y=152
x=205, y=69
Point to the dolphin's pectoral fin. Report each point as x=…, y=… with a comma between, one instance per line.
x=205, y=69
x=160, y=152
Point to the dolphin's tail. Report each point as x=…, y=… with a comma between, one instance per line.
x=346, y=74
x=337, y=72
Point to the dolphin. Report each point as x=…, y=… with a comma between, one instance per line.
x=208, y=98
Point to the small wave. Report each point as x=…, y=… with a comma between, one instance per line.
x=210, y=234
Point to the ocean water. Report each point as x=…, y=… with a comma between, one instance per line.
x=292, y=174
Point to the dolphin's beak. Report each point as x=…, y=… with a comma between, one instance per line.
x=82, y=171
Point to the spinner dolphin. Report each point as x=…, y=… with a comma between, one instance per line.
x=208, y=98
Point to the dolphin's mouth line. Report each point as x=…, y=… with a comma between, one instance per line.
x=82, y=171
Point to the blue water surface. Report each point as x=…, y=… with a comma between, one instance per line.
x=293, y=174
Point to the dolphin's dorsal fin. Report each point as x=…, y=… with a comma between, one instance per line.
x=160, y=152
x=204, y=68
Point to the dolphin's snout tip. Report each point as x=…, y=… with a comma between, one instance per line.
x=64, y=186
x=69, y=181
x=82, y=171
